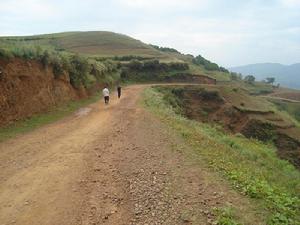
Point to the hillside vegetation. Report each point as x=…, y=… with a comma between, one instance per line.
x=103, y=45
x=238, y=112
x=97, y=43
x=238, y=126
x=251, y=166
x=52, y=69
x=88, y=60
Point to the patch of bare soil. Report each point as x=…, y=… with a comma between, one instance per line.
x=113, y=164
x=27, y=87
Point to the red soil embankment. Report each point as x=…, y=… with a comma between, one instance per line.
x=26, y=88
x=210, y=106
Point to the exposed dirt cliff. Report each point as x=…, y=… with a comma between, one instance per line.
x=247, y=118
x=26, y=88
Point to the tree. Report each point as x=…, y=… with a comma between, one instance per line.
x=135, y=65
x=249, y=79
x=208, y=65
x=222, y=69
x=270, y=80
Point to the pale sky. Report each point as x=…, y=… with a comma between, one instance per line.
x=229, y=32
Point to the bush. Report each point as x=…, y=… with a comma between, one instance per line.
x=127, y=58
x=4, y=54
x=57, y=67
x=135, y=65
x=165, y=49
x=45, y=58
x=208, y=65
x=249, y=79
x=151, y=65
x=222, y=69
x=79, y=71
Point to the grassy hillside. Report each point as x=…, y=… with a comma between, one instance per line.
x=251, y=166
x=292, y=108
x=102, y=45
x=96, y=43
x=238, y=112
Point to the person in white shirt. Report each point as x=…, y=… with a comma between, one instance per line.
x=105, y=92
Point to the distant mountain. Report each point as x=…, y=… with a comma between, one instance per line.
x=286, y=75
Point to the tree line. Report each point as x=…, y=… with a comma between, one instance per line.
x=208, y=65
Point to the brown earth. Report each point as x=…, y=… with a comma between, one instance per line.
x=113, y=164
x=210, y=106
x=286, y=94
x=26, y=88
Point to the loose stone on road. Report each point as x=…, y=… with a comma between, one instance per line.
x=115, y=164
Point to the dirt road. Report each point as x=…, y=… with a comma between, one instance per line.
x=113, y=164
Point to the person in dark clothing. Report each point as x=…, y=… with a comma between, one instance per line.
x=119, y=91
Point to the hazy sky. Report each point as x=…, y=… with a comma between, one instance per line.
x=229, y=32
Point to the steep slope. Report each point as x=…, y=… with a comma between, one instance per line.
x=238, y=112
x=26, y=88
x=250, y=166
x=286, y=75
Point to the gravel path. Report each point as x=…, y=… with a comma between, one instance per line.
x=113, y=164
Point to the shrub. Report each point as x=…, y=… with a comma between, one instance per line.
x=79, y=71
x=222, y=69
x=4, y=54
x=151, y=65
x=57, y=66
x=249, y=79
x=165, y=49
x=135, y=65
x=45, y=58
x=199, y=60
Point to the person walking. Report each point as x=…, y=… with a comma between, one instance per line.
x=105, y=92
x=119, y=88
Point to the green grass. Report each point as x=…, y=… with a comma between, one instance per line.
x=242, y=100
x=41, y=119
x=251, y=166
x=257, y=88
x=226, y=216
x=292, y=108
x=219, y=76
